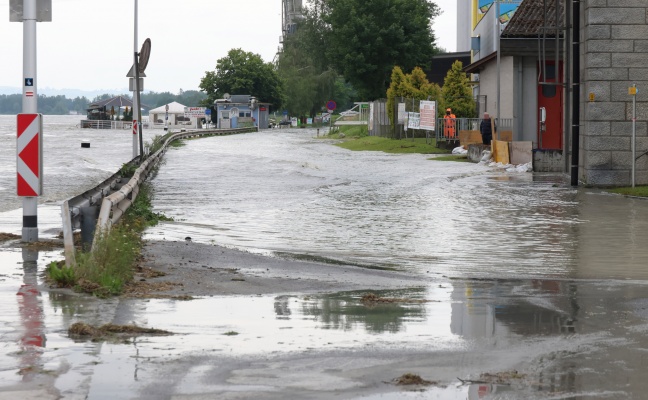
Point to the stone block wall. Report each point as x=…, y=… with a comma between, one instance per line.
x=614, y=56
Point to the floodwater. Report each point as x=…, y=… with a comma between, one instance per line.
x=528, y=275
x=286, y=192
x=68, y=168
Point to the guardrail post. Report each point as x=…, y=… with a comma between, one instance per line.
x=68, y=235
x=89, y=217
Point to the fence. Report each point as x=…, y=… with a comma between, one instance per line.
x=115, y=195
x=108, y=124
x=449, y=128
x=398, y=124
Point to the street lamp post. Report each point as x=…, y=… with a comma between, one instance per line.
x=136, y=105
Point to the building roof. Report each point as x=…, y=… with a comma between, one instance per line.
x=529, y=19
x=478, y=65
x=117, y=102
x=174, y=108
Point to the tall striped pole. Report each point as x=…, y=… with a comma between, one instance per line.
x=29, y=106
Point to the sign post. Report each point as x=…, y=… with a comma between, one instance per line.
x=166, y=117
x=632, y=91
x=30, y=127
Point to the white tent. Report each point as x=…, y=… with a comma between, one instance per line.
x=156, y=115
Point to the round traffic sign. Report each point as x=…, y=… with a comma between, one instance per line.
x=144, y=55
x=331, y=105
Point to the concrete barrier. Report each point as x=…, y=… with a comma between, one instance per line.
x=548, y=161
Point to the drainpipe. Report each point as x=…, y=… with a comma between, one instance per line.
x=520, y=101
x=576, y=91
x=567, y=87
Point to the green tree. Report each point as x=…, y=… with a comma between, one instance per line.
x=457, y=92
x=243, y=72
x=366, y=39
x=414, y=85
x=307, y=86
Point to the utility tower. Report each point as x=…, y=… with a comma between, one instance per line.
x=291, y=14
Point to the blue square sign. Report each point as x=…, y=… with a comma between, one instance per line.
x=29, y=81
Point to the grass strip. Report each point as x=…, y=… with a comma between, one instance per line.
x=637, y=191
x=107, y=269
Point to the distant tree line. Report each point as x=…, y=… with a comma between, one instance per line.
x=61, y=105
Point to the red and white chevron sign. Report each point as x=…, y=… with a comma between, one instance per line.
x=29, y=152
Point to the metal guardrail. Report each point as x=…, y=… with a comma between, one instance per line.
x=83, y=212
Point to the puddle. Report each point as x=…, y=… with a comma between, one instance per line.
x=258, y=346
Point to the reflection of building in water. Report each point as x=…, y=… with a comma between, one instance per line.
x=345, y=311
x=611, y=237
x=488, y=309
x=472, y=317
x=282, y=307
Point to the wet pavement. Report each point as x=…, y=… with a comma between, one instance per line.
x=519, y=286
x=563, y=339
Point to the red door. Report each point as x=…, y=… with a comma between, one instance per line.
x=550, y=97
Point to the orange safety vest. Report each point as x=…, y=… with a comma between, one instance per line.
x=449, y=130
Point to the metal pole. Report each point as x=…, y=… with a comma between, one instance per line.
x=29, y=106
x=139, y=110
x=575, y=91
x=497, y=18
x=135, y=100
x=634, y=132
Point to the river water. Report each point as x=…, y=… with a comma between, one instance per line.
x=68, y=169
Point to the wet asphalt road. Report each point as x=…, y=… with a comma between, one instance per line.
x=474, y=328
x=542, y=338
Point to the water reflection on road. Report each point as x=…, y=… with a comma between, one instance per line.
x=567, y=332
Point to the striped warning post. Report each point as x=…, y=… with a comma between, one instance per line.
x=29, y=155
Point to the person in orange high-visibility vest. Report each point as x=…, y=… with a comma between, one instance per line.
x=449, y=131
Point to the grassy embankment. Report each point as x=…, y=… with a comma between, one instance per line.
x=637, y=191
x=356, y=138
x=107, y=269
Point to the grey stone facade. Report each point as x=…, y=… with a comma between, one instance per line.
x=614, y=56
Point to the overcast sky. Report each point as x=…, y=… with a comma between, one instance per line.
x=89, y=43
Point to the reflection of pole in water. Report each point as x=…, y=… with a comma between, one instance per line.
x=31, y=316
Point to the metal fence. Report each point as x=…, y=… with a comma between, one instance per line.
x=395, y=124
x=449, y=128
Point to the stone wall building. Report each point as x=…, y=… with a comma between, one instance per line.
x=614, y=56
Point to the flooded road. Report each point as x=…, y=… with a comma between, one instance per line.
x=520, y=276
x=283, y=191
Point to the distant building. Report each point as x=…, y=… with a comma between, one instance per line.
x=168, y=115
x=241, y=111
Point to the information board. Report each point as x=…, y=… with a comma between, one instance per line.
x=428, y=115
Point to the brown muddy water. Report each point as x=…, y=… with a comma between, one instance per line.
x=526, y=278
